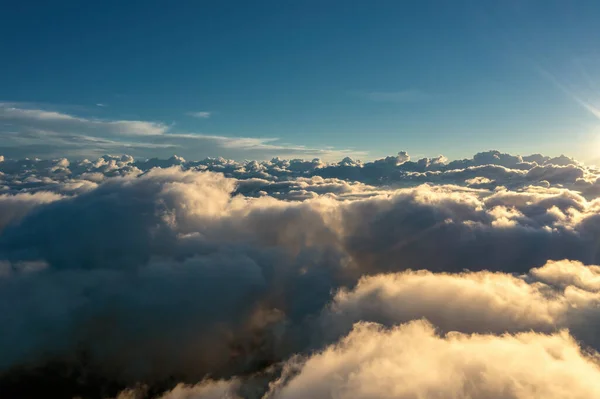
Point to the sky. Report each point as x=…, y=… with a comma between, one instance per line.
x=299, y=79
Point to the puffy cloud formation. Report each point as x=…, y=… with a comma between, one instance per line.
x=412, y=361
x=283, y=279
x=14, y=207
x=559, y=295
x=278, y=177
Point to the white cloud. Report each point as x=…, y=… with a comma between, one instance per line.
x=137, y=127
x=412, y=361
x=559, y=295
x=36, y=132
x=12, y=113
x=58, y=122
x=200, y=114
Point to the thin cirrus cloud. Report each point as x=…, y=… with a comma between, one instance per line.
x=32, y=119
x=200, y=114
x=28, y=131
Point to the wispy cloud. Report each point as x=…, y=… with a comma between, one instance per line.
x=58, y=121
x=200, y=114
x=26, y=131
x=402, y=96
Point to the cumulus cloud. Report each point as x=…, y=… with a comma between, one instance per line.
x=412, y=361
x=175, y=278
x=14, y=207
x=559, y=295
x=569, y=273
x=505, y=171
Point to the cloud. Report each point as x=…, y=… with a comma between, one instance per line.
x=36, y=119
x=216, y=277
x=14, y=207
x=27, y=132
x=411, y=361
x=200, y=114
x=483, y=303
x=205, y=390
x=559, y=295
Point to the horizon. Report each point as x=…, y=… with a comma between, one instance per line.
x=405, y=158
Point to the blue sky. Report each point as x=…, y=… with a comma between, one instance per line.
x=328, y=78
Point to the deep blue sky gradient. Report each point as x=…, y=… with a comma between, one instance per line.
x=376, y=76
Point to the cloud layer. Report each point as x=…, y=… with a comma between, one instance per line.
x=27, y=130
x=290, y=278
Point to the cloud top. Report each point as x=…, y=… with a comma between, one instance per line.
x=178, y=278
